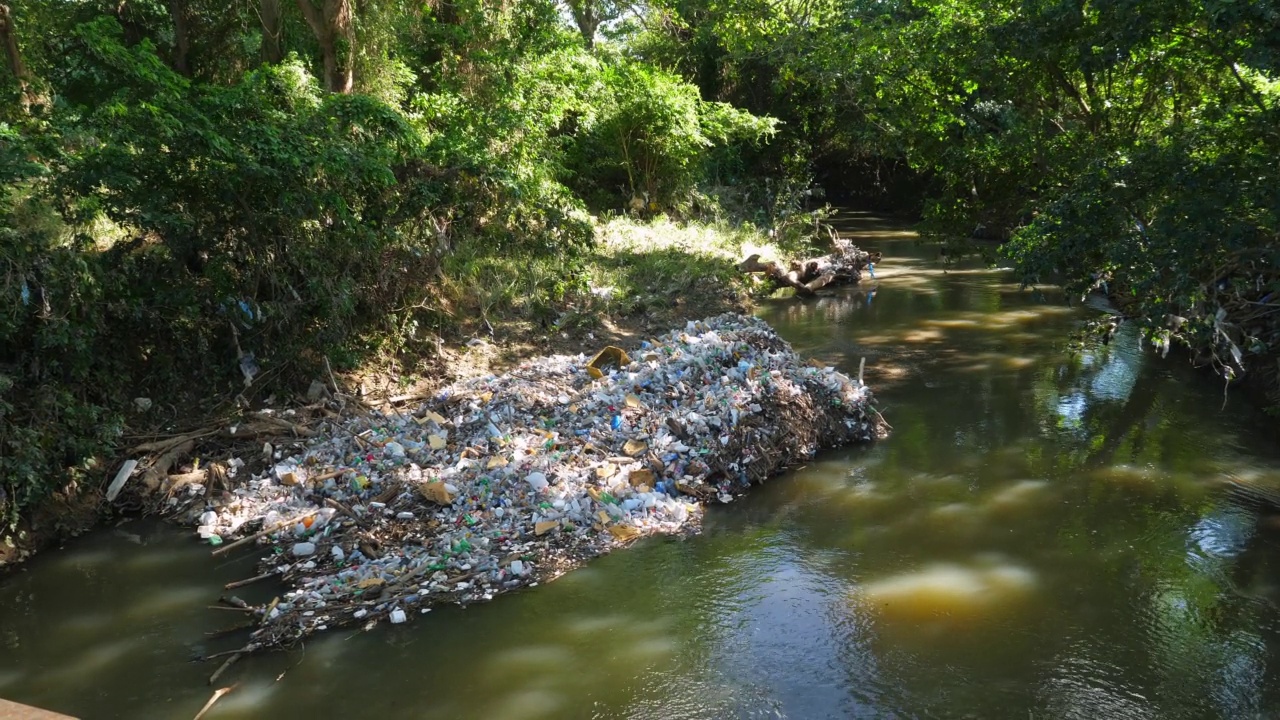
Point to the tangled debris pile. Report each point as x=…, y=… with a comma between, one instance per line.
x=842, y=266
x=506, y=481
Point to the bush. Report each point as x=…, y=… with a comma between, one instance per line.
x=1182, y=231
x=265, y=220
x=651, y=135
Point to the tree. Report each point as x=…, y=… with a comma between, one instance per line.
x=331, y=23
x=272, y=20
x=588, y=15
x=181, y=36
x=13, y=57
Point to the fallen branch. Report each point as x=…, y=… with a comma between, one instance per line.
x=248, y=581
x=160, y=468
x=328, y=475
x=844, y=265
x=230, y=661
x=230, y=630
x=280, y=422
x=775, y=271
x=174, y=482
x=265, y=425
x=233, y=653
x=261, y=533
x=821, y=281
x=217, y=694
x=399, y=399
x=340, y=507
x=160, y=446
x=337, y=392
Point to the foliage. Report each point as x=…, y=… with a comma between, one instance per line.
x=187, y=215
x=649, y=134
x=178, y=193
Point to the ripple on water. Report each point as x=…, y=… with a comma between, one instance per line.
x=1085, y=687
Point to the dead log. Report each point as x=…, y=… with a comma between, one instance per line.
x=773, y=270
x=174, y=483
x=843, y=266
x=160, y=469
x=821, y=281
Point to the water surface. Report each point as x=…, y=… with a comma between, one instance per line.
x=1047, y=534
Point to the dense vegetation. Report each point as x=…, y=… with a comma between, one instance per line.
x=202, y=198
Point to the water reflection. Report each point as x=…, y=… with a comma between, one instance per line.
x=1047, y=534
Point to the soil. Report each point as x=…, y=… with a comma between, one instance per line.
x=474, y=351
x=65, y=515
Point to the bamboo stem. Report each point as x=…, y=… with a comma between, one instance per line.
x=261, y=534
x=247, y=581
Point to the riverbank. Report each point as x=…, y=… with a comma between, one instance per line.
x=641, y=279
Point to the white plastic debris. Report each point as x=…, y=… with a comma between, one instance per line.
x=532, y=472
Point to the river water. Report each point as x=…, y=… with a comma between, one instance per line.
x=1046, y=534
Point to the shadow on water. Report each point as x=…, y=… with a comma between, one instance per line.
x=1045, y=534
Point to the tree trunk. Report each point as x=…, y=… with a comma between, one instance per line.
x=272, y=32
x=331, y=24
x=586, y=18
x=181, y=36
x=134, y=32
x=13, y=55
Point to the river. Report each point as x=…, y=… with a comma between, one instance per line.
x=1048, y=533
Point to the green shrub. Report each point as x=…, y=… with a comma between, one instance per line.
x=265, y=218
x=650, y=134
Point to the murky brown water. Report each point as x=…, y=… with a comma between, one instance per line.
x=1045, y=535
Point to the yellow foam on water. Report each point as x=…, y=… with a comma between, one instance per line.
x=947, y=590
x=530, y=656
x=1018, y=494
x=529, y=703
x=954, y=511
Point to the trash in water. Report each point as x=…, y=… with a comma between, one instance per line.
x=502, y=482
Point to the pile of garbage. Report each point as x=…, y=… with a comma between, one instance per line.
x=506, y=481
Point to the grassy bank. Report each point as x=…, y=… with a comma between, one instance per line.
x=484, y=312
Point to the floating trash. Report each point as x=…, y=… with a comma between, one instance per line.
x=507, y=481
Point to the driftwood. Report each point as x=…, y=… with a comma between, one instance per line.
x=218, y=673
x=249, y=581
x=843, y=266
x=165, y=454
x=216, y=695
x=159, y=470
x=265, y=425
x=263, y=533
